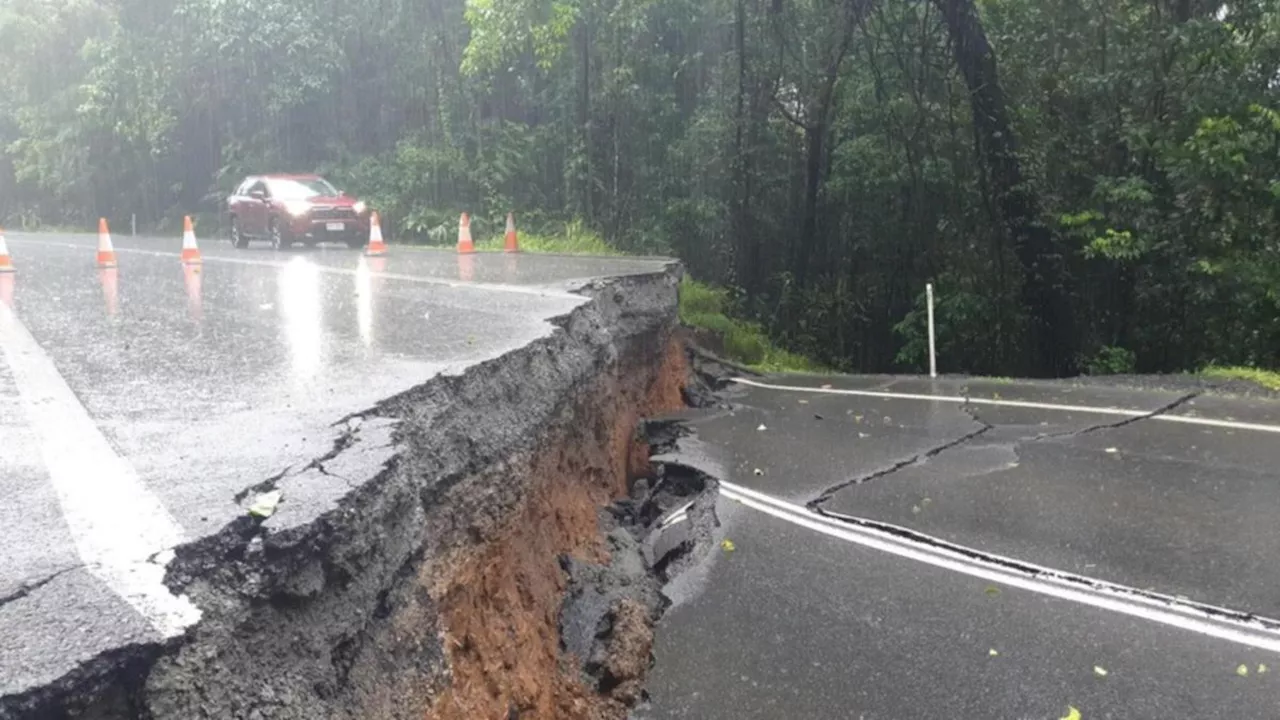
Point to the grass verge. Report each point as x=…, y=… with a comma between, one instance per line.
x=1269, y=379
x=704, y=307
x=575, y=240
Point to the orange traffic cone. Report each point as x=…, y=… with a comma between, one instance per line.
x=512, y=243
x=464, y=235
x=106, y=252
x=190, y=253
x=6, y=263
x=376, y=246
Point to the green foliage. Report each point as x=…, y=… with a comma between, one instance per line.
x=1111, y=360
x=705, y=307
x=1269, y=379
x=701, y=299
x=574, y=238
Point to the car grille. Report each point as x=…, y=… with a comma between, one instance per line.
x=333, y=213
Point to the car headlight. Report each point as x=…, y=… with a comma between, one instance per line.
x=360, y=207
x=297, y=208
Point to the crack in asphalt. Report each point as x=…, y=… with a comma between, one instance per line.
x=1171, y=406
x=1039, y=572
x=342, y=442
x=27, y=589
x=920, y=457
x=972, y=411
x=261, y=487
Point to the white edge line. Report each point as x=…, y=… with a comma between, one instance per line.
x=960, y=400
x=964, y=554
x=673, y=520
x=1182, y=617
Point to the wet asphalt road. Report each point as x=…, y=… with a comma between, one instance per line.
x=136, y=403
x=1152, y=515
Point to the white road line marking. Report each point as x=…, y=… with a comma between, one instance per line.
x=961, y=400
x=1107, y=596
x=115, y=522
x=673, y=520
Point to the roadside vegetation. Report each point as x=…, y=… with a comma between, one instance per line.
x=571, y=238
x=707, y=309
x=1269, y=379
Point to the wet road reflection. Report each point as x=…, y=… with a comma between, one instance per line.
x=302, y=314
x=110, y=279
x=364, y=301
x=191, y=279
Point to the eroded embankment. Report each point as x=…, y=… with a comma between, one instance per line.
x=489, y=565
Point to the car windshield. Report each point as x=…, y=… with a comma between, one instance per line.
x=301, y=188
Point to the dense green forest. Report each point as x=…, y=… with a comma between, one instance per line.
x=1092, y=185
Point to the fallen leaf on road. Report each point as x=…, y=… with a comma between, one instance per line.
x=1112, y=450
x=803, y=402
x=762, y=428
x=827, y=386
x=992, y=591
x=816, y=416
x=993, y=652
x=728, y=545
x=1072, y=714
x=1243, y=670
x=915, y=509
x=863, y=435
x=857, y=418
x=1261, y=668
x=264, y=506
x=926, y=502
x=759, y=471
x=1099, y=671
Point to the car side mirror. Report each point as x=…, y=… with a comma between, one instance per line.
x=258, y=194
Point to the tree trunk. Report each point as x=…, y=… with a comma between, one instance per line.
x=1044, y=289
x=585, y=177
x=746, y=253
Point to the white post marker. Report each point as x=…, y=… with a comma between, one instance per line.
x=133, y=224
x=933, y=351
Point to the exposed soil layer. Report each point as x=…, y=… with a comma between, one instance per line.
x=500, y=608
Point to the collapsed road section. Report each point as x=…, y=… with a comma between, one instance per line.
x=478, y=546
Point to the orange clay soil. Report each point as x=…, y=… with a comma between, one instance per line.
x=500, y=606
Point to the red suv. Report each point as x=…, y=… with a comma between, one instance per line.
x=285, y=209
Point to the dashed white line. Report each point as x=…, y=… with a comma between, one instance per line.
x=961, y=400
x=114, y=520
x=1192, y=617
